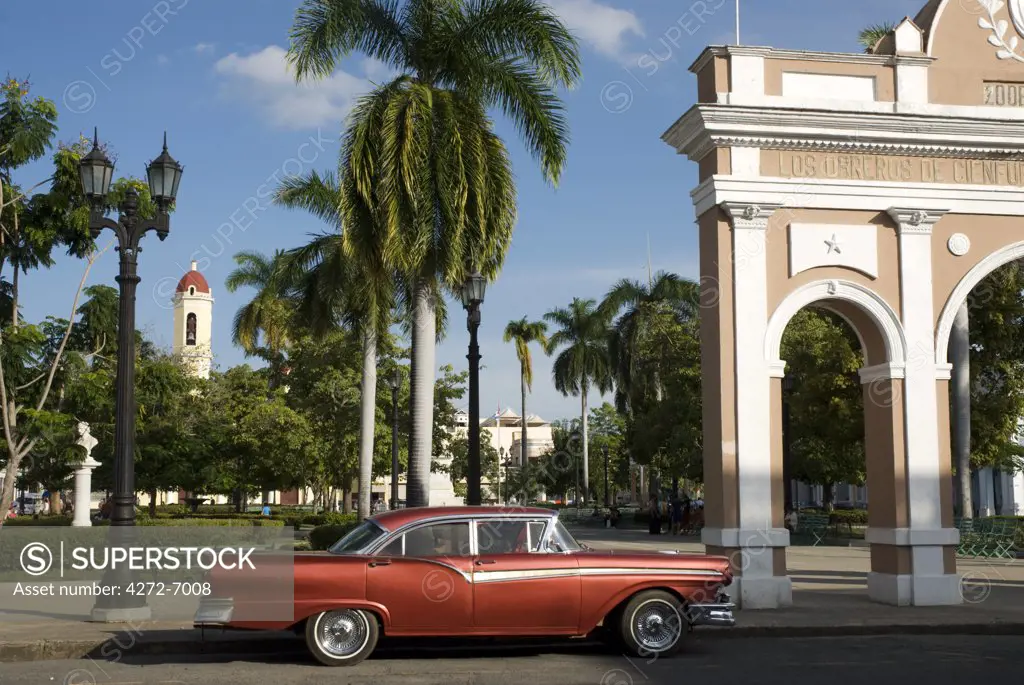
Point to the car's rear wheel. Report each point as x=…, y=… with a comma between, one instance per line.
x=342, y=637
x=653, y=624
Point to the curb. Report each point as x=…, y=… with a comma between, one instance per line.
x=116, y=647
x=776, y=631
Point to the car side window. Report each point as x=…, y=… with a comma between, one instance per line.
x=503, y=536
x=438, y=540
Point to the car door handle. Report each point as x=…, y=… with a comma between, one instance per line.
x=481, y=562
x=382, y=562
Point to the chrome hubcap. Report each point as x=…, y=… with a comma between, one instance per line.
x=656, y=626
x=342, y=633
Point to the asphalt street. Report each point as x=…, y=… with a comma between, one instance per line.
x=938, y=660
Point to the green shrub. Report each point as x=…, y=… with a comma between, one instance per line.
x=853, y=517
x=41, y=521
x=323, y=537
x=198, y=522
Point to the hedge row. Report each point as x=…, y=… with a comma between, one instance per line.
x=146, y=521
x=291, y=520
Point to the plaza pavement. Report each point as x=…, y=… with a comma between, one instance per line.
x=829, y=592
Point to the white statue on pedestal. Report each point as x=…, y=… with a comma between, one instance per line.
x=83, y=477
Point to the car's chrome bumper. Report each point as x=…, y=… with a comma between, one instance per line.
x=717, y=613
x=214, y=611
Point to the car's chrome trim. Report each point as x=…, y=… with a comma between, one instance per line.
x=718, y=613
x=525, y=574
x=613, y=571
x=214, y=611
x=534, y=573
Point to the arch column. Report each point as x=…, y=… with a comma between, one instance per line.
x=739, y=389
x=912, y=547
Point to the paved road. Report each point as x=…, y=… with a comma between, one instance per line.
x=951, y=660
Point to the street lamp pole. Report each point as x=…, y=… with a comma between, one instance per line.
x=607, y=502
x=395, y=382
x=163, y=175
x=472, y=298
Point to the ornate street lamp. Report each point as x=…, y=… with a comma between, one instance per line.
x=164, y=175
x=395, y=381
x=472, y=297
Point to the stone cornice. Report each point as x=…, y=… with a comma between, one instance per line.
x=806, y=56
x=707, y=126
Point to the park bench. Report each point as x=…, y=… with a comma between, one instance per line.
x=989, y=537
x=813, y=527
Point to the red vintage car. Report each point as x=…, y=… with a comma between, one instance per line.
x=479, y=571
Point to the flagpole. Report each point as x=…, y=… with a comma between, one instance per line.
x=737, y=22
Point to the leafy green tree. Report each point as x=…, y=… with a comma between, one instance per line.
x=608, y=436
x=27, y=128
x=826, y=406
x=523, y=332
x=582, y=330
x=423, y=173
x=459, y=467
x=996, y=314
x=96, y=330
x=558, y=470
x=56, y=453
x=28, y=366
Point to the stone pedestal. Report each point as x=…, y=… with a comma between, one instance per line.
x=442, y=493
x=83, y=492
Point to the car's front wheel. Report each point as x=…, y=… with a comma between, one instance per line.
x=342, y=637
x=653, y=623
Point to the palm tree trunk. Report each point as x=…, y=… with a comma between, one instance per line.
x=960, y=356
x=421, y=382
x=522, y=437
x=585, y=487
x=368, y=421
x=14, y=278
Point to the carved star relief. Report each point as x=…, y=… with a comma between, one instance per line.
x=833, y=245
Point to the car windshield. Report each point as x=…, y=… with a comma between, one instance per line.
x=562, y=540
x=357, y=539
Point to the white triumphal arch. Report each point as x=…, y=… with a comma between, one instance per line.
x=881, y=186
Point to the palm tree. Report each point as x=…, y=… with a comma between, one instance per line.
x=335, y=288
x=421, y=156
x=98, y=324
x=262, y=327
x=664, y=294
x=870, y=37
x=583, y=363
x=524, y=332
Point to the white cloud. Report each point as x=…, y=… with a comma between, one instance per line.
x=603, y=27
x=200, y=48
x=265, y=79
x=163, y=60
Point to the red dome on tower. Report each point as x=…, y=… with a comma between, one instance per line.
x=193, y=279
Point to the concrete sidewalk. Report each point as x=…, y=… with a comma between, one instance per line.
x=830, y=599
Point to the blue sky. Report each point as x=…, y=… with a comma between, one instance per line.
x=212, y=75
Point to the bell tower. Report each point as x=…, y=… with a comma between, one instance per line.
x=193, y=322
